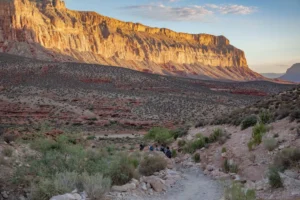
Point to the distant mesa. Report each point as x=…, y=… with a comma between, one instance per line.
x=292, y=74
x=272, y=75
x=47, y=30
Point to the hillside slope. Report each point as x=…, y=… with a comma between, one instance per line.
x=48, y=30
x=99, y=96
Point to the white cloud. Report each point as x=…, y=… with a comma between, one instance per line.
x=232, y=9
x=187, y=13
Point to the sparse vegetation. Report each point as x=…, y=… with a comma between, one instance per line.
x=151, y=164
x=122, y=170
x=270, y=143
x=196, y=157
x=64, y=154
x=287, y=158
x=181, y=143
x=224, y=150
x=237, y=192
x=229, y=166
x=249, y=121
x=265, y=117
x=257, y=133
x=275, y=180
x=7, y=151
x=160, y=135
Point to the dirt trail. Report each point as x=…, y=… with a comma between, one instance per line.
x=194, y=186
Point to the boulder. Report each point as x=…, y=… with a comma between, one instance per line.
x=67, y=196
x=156, y=183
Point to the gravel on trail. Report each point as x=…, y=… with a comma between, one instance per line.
x=194, y=186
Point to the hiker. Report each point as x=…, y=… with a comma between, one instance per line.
x=151, y=148
x=156, y=148
x=162, y=148
x=142, y=147
x=168, y=152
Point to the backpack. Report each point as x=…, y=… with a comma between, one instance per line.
x=169, y=154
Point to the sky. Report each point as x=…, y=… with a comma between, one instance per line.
x=268, y=31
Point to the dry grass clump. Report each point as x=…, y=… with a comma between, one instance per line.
x=151, y=164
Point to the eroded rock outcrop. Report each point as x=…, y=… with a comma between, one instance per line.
x=46, y=29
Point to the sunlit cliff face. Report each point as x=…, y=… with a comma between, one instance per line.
x=45, y=29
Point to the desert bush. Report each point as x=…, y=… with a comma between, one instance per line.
x=257, y=133
x=174, y=153
x=270, y=143
x=224, y=150
x=236, y=192
x=250, y=145
x=160, y=135
x=196, y=158
x=151, y=164
x=230, y=167
x=91, y=137
x=96, y=185
x=7, y=151
x=181, y=143
x=180, y=132
x=265, y=117
x=122, y=170
x=218, y=135
x=249, y=121
x=287, y=158
x=192, y=146
x=295, y=115
x=8, y=138
x=275, y=180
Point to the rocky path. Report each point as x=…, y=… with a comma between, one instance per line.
x=194, y=186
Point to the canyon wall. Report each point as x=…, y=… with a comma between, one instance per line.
x=46, y=29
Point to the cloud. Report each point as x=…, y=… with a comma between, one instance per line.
x=186, y=13
x=232, y=9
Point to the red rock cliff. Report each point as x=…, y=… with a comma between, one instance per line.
x=46, y=29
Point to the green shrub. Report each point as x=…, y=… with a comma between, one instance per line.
x=287, y=158
x=270, y=143
x=160, y=135
x=236, y=192
x=295, y=115
x=196, y=158
x=174, y=153
x=7, y=151
x=180, y=132
x=224, y=150
x=274, y=178
x=265, y=117
x=181, y=143
x=151, y=164
x=96, y=185
x=249, y=121
x=218, y=135
x=134, y=161
x=91, y=137
x=122, y=170
x=192, y=146
x=250, y=145
x=230, y=167
x=257, y=133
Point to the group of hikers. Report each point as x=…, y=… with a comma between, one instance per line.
x=162, y=148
